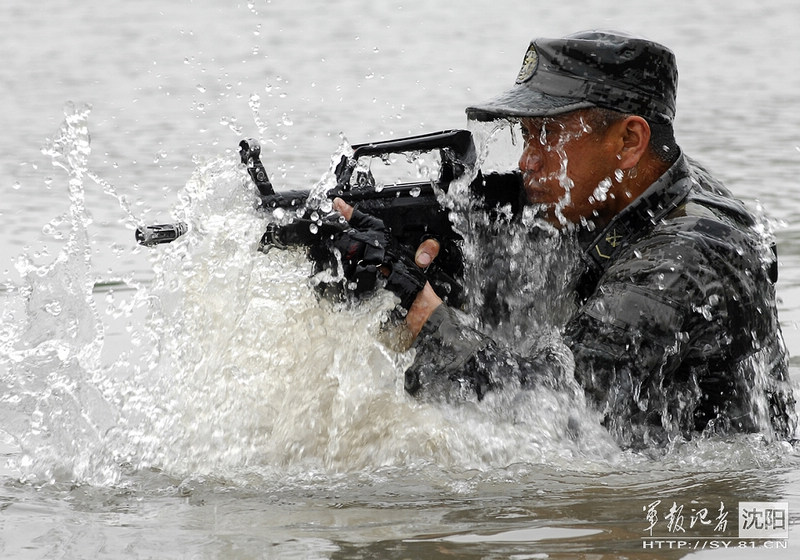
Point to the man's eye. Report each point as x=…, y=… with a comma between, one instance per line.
x=551, y=132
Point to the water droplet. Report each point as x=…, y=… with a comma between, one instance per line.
x=313, y=228
x=16, y=186
x=415, y=192
x=286, y=120
x=601, y=192
x=53, y=308
x=201, y=88
x=279, y=213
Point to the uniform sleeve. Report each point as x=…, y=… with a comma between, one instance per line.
x=656, y=347
x=620, y=346
x=454, y=362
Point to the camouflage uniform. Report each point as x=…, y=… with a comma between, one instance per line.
x=676, y=330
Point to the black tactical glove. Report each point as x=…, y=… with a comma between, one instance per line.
x=369, y=254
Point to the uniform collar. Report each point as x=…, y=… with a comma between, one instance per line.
x=639, y=217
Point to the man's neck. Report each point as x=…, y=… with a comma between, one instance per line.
x=634, y=182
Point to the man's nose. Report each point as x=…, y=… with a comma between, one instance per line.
x=531, y=159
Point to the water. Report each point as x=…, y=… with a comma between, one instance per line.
x=197, y=400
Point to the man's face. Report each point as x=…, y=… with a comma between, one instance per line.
x=567, y=167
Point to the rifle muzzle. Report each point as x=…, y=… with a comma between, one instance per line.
x=160, y=233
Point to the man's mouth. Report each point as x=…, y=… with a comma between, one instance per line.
x=535, y=191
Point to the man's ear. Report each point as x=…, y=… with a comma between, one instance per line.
x=635, y=135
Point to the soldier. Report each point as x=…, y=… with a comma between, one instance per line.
x=676, y=332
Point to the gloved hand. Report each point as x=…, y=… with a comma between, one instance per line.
x=368, y=255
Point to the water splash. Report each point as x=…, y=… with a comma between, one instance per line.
x=255, y=108
x=51, y=361
x=236, y=369
x=235, y=366
x=511, y=263
x=318, y=198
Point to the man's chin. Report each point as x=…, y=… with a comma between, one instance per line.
x=548, y=215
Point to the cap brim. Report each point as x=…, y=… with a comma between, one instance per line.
x=523, y=101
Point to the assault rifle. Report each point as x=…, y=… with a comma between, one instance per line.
x=411, y=211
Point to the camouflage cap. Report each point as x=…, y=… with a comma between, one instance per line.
x=589, y=69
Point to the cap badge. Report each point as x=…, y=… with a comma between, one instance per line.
x=529, y=64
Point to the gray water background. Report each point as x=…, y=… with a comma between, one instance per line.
x=171, y=90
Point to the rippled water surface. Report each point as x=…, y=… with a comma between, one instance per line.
x=200, y=401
